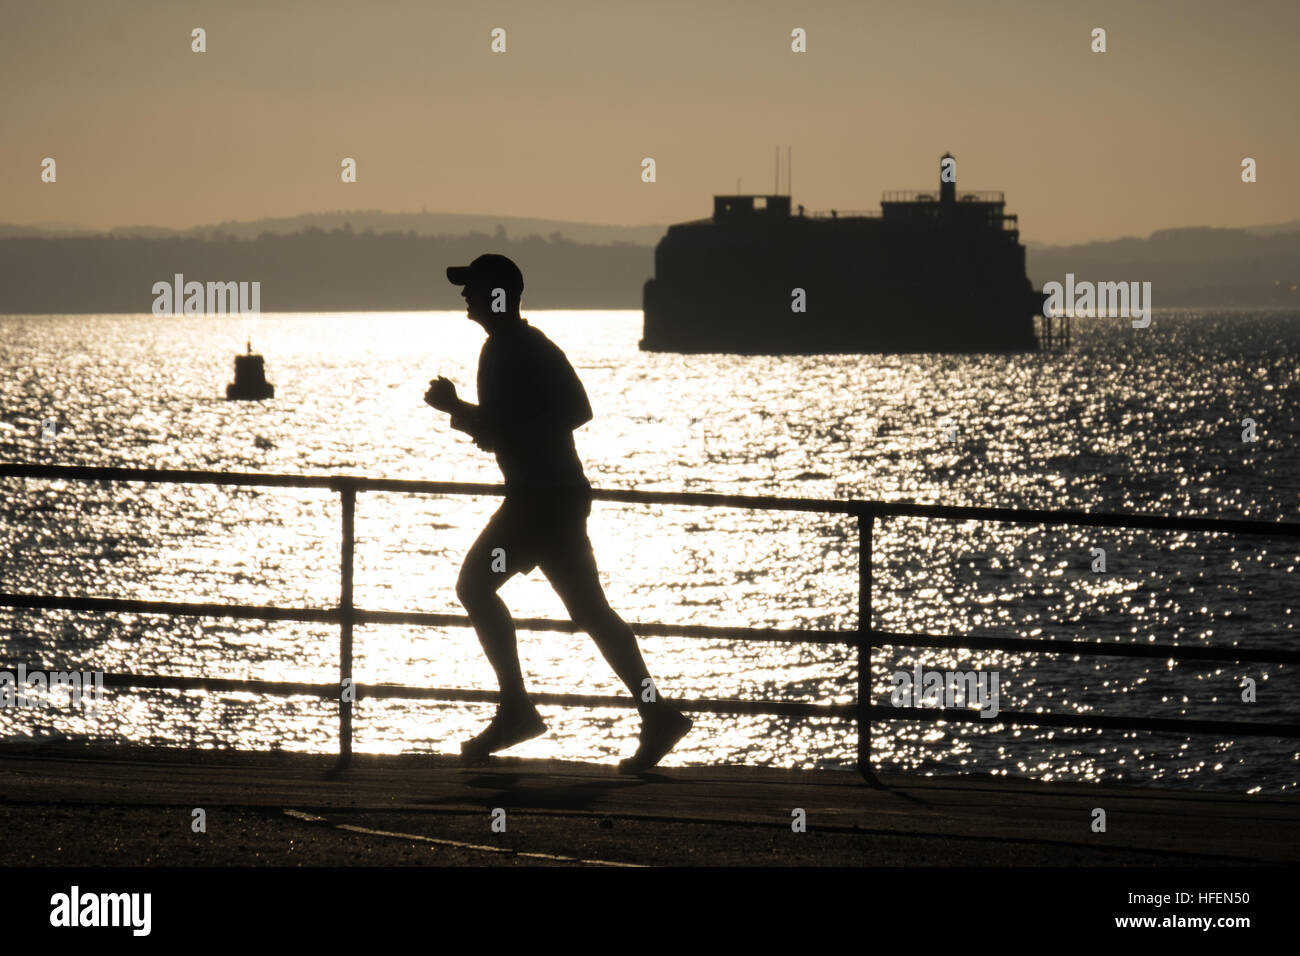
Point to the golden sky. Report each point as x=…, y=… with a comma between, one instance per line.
x=1148, y=135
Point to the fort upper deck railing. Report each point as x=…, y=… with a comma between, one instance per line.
x=932, y=195
x=841, y=214
x=865, y=638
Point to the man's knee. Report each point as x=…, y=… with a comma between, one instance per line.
x=593, y=614
x=473, y=587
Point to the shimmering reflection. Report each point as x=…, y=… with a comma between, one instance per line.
x=1134, y=421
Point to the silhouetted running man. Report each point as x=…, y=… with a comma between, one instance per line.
x=530, y=402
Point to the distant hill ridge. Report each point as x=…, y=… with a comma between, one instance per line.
x=421, y=223
x=515, y=227
x=341, y=261
x=1187, y=266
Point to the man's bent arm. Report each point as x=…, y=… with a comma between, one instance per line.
x=466, y=418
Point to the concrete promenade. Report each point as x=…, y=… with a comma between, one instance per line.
x=73, y=804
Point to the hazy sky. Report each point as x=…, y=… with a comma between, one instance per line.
x=1148, y=135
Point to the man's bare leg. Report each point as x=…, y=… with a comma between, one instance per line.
x=662, y=725
x=516, y=719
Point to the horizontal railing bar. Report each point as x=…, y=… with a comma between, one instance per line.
x=1176, y=725
x=713, y=500
x=1259, y=655
x=643, y=629
x=709, y=705
x=772, y=708
x=333, y=616
x=627, y=496
x=176, y=608
x=166, y=476
x=821, y=505
x=276, y=688
x=463, y=695
x=906, y=509
x=337, y=482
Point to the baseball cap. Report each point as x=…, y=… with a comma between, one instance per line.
x=489, y=271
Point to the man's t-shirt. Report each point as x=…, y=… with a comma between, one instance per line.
x=530, y=401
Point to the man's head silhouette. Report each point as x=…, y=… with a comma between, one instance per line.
x=493, y=286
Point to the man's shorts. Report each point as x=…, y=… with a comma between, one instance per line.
x=540, y=529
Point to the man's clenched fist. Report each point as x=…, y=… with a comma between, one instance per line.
x=441, y=394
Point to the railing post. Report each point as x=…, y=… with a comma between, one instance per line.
x=866, y=521
x=348, y=493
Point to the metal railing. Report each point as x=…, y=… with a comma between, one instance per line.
x=842, y=214
x=865, y=638
x=932, y=195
